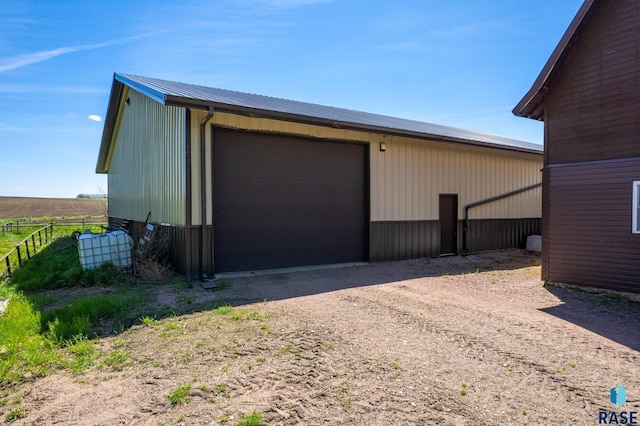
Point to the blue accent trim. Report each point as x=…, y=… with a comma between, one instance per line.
x=156, y=95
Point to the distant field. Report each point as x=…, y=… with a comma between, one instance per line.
x=25, y=207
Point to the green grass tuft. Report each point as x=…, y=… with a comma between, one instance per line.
x=83, y=353
x=181, y=394
x=223, y=310
x=117, y=360
x=253, y=419
x=82, y=316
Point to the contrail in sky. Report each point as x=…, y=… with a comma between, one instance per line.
x=33, y=58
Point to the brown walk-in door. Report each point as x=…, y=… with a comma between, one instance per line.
x=282, y=201
x=448, y=223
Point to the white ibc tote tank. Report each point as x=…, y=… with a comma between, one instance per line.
x=113, y=247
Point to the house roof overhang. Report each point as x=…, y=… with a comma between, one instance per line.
x=532, y=104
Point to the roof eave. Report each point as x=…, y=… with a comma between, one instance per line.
x=305, y=119
x=532, y=104
x=156, y=95
x=115, y=98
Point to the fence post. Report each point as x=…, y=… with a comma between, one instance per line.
x=6, y=259
x=19, y=255
x=40, y=236
x=26, y=245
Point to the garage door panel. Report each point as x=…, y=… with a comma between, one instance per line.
x=283, y=201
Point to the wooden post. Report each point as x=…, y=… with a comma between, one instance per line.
x=33, y=243
x=8, y=262
x=19, y=255
x=40, y=236
x=26, y=245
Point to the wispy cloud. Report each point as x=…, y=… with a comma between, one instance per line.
x=407, y=46
x=507, y=24
x=34, y=58
x=17, y=88
x=94, y=117
x=4, y=127
x=284, y=4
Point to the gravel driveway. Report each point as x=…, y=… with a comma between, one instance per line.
x=450, y=341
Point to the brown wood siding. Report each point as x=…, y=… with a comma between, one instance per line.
x=589, y=234
x=592, y=108
x=545, y=224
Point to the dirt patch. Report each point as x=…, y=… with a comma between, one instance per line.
x=20, y=207
x=451, y=341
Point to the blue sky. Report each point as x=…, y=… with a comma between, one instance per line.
x=463, y=63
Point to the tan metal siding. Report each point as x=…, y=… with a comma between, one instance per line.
x=408, y=177
x=147, y=167
x=197, y=117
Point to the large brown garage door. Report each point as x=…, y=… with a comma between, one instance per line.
x=283, y=201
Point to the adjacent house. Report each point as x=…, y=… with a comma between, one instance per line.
x=246, y=182
x=588, y=95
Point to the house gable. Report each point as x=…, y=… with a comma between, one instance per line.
x=588, y=94
x=592, y=106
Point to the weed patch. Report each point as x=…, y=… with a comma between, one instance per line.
x=180, y=395
x=83, y=353
x=117, y=360
x=253, y=419
x=80, y=317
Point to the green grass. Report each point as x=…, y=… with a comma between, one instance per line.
x=8, y=240
x=83, y=353
x=80, y=317
x=42, y=332
x=26, y=352
x=464, y=390
x=117, y=360
x=181, y=394
x=253, y=419
x=59, y=266
x=223, y=310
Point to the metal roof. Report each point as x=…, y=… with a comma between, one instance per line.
x=202, y=97
x=532, y=104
